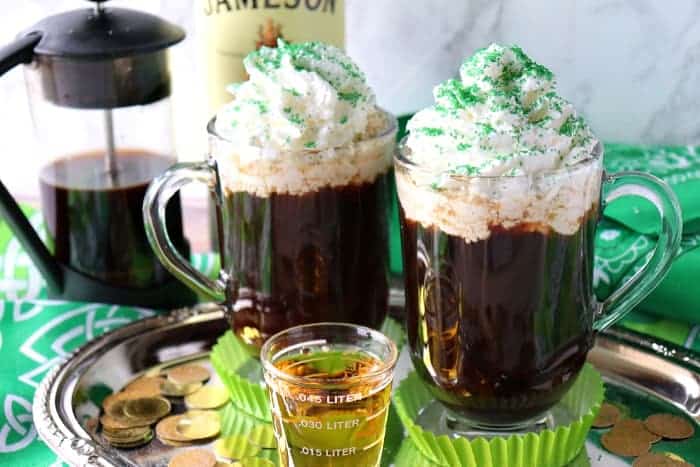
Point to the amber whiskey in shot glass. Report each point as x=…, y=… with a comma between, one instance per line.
x=330, y=387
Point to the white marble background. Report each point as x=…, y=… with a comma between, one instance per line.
x=631, y=66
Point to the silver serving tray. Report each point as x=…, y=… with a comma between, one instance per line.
x=65, y=419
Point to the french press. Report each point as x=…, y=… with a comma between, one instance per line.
x=99, y=89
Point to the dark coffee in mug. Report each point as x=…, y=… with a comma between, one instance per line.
x=305, y=236
x=310, y=257
x=505, y=321
x=94, y=218
x=499, y=288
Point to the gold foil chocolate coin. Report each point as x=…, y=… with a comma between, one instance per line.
x=117, y=413
x=198, y=425
x=673, y=456
x=654, y=459
x=607, y=416
x=144, y=386
x=155, y=371
x=193, y=458
x=170, y=389
x=210, y=414
x=129, y=442
x=625, y=445
x=167, y=429
x=632, y=427
x=148, y=408
x=110, y=423
x=127, y=435
x=188, y=374
x=116, y=410
x=135, y=444
x=207, y=397
x=235, y=447
x=112, y=399
x=669, y=426
x=176, y=444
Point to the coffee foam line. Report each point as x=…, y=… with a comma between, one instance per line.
x=470, y=208
x=304, y=172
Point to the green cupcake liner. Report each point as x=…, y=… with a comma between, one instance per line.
x=548, y=448
x=235, y=447
x=250, y=397
x=230, y=358
x=394, y=331
x=235, y=422
x=409, y=454
x=233, y=352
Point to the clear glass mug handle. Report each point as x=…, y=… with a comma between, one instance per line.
x=635, y=289
x=159, y=193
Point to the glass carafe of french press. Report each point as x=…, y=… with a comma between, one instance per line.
x=99, y=87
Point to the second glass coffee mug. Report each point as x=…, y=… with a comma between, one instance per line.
x=303, y=237
x=499, y=284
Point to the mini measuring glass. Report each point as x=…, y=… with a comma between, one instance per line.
x=330, y=388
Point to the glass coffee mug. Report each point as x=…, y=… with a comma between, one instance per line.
x=499, y=283
x=303, y=236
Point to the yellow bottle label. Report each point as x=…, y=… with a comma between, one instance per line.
x=230, y=29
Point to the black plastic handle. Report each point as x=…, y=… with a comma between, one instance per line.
x=18, y=52
x=32, y=244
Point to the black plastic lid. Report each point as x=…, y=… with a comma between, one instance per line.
x=100, y=32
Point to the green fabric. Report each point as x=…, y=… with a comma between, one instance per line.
x=678, y=296
x=35, y=333
x=679, y=166
x=627, y=234
x=621, y=252
x=676, y=332
x=34, y=336
x=18, y=276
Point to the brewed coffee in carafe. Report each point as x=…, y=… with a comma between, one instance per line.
x=93, y=215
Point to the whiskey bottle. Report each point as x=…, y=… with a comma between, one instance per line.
x=230, y=29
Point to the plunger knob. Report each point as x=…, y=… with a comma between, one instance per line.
x=98, y=5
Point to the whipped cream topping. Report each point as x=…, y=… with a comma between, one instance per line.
x=503, y=117
x=301, y=172
x=489, y=153
x=471, y=208
x=307, y=96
